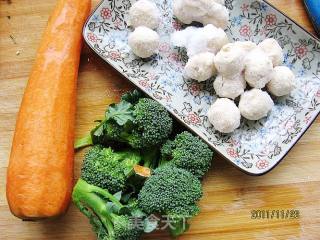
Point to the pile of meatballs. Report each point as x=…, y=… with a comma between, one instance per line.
x=243, y=69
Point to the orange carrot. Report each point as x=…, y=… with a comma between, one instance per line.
x=40, y=171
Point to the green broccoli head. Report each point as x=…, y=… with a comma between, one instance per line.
x=172, y=192
x=107, y=169
x=152, y=123
x=166, y=150
x=187, y=152
x=124, y=228
x=169, y=189
x=112, y=131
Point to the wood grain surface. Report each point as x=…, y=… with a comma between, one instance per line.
x=229, y=195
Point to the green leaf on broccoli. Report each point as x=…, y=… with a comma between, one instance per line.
x=121, y=113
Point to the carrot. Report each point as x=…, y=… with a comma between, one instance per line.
x=40, y=171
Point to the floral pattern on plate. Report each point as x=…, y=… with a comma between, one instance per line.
x=257, y=146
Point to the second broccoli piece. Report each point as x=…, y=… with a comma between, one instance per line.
x=108, y=169
x=103, y=210
x=172, y=192
x=187, y=152
x=138, y=122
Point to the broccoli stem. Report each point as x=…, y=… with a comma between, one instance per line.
x=85, y=195
x=88, y=140
x=83, y=142
x=90, y=196
x=150, y=157
x=179, y=226
x=108, y=195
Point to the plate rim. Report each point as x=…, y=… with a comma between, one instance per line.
x=189, y=127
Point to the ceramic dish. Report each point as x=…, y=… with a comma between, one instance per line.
x=257, y=146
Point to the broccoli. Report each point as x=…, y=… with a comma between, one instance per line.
x=187, y=152
x=172, y=192
x=104, y=212
x=136, y=121
x=108, y=169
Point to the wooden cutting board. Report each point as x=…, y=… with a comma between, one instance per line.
x=229, y=195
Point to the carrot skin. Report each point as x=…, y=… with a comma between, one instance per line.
x=40, y=171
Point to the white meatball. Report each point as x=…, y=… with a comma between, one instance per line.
x=282, y=81
x=208, y=38
x=181, y=38
x=272, y=48
x=258, y=67
x=197, y=40
x=255, y=104
x=218, y=15
x=200, y=67
x=229, y=61
x=144, y=13
x=144, y=42
x=229, y=88
x=246, y=45
x=203, y=11
x=224, y=115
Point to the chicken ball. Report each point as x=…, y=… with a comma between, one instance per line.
x=229, y=61
x=200, y=67
x=282, y=81
x=144, y=42
x=273, y=50
x=224, y=115
x=258, y=67
x=197, y=40
x=203, y=11
x=229, y=88
x=246, y=45
x=144, y=13
x=209, y=38
x=255, y=104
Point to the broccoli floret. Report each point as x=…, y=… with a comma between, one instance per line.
x=108, y=169
x=103, y=210
x=169, y=188
x=138, y=122
x=124, y=228
x=187, y=152
x=172, y=192
x=152, y=121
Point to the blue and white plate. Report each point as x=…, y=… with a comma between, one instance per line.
x=257, y=146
